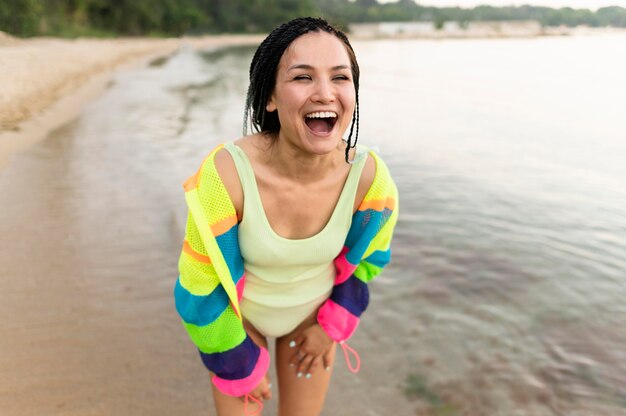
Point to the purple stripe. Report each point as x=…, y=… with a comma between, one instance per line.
x=233, y=364
x=352, y=295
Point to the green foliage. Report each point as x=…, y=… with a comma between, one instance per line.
x=439, y=22
x=20, y=17
x=612, y=16
x=71, y=18
x=362, y=11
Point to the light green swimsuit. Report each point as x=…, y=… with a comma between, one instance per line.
x=287, y=280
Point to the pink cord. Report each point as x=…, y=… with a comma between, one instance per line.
x=254, y=399
x=347, y=349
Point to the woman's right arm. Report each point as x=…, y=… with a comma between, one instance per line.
x=207, y=295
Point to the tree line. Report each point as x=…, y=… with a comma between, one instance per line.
x=70, y=18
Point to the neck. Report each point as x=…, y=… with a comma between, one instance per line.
x=293, y=162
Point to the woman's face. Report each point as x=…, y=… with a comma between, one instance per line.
x=314, y=93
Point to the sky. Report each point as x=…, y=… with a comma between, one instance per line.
x=576, y=4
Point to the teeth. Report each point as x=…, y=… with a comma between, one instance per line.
x=322, y=114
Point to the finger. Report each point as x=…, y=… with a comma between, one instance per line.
x=296, y=341
x=304, y=366
x=267, y=394
x=316, y=363
x=295, y=358
x=327, y=360
x=260, y=390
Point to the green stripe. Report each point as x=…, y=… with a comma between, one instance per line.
x=223, y=334
x=366, y=271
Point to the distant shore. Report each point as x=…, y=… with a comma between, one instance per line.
x=469, y=30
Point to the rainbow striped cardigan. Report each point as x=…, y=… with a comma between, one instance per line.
x=212, y=275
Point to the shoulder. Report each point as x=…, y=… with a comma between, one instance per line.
x=224, y=163
x=217, y=174
x=376, y=182
x=227, y=171
x=366, y=180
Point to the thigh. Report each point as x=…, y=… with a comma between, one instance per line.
x=234, y=406
x=300, y=396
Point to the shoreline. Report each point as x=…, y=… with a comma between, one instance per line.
x=47, y=81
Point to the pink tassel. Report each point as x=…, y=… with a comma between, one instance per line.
x=346, y=350
x=259, y=403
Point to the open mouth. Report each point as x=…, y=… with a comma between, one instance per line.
x=321, y=122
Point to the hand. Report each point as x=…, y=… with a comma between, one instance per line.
x=311, y=350
x=262, y=391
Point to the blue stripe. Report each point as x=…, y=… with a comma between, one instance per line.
x=352, y=294
x=233, y=364
x=200, y=310
x=379, y=258
x=229, y=246
x=365, y=225
x=358, y=223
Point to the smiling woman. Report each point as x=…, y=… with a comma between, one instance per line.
x=314, y=96
x=286, y=227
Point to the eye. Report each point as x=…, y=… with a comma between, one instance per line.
x=302, y=77
x=342, y=78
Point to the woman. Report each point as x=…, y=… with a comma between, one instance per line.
x=283, y=235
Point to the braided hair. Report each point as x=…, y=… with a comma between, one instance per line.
x=265, y=65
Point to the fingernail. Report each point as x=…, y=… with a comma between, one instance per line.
x=269, y=386
x=299, y=375
x=308, y=375
x=328, y=368
x=292, y=365
x=292, y=344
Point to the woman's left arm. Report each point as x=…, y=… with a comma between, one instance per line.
x=366, y=252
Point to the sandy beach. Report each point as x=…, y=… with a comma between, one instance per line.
x=35, y=73
x=46, y=81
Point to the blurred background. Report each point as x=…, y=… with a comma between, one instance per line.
x=177, y=17
x=503, y=126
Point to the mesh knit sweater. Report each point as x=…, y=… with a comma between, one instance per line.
x=212, y=275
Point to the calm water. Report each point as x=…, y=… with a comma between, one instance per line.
x=506, y=292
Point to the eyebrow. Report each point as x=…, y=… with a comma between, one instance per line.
x=309, y=67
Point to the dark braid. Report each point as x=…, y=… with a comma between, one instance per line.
x=265, y=65
x=355, y=121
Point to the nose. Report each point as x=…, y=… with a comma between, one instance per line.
x=324, y=92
